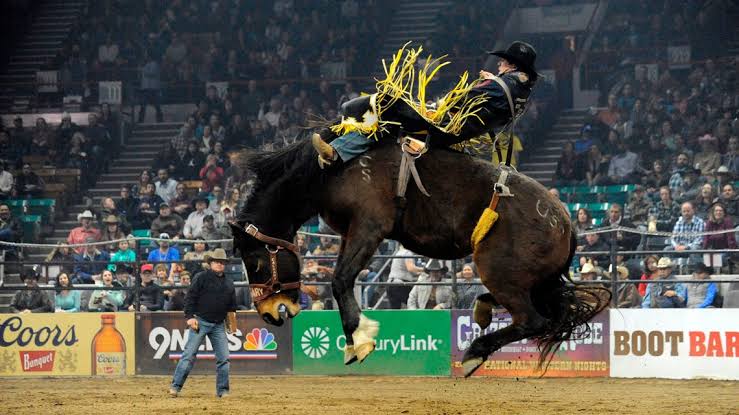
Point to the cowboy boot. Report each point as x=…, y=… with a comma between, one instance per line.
x=326, y=153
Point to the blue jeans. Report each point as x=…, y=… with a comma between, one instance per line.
x=351, y=145
x=217, y=334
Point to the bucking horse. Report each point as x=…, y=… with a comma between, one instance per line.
x=523, y=261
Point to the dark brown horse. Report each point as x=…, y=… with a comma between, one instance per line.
x=523, y=261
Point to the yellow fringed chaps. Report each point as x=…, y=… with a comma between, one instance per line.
x=484, y=224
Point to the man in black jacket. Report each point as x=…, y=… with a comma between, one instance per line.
x=11, y=230
x=150, y=296
x=30, y=301
x=209, y=301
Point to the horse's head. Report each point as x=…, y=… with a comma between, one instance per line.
x=273, y=267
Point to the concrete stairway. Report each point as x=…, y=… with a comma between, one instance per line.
x=41, y=43
x=543, y=163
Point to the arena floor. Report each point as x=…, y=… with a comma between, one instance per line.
x=375, y=395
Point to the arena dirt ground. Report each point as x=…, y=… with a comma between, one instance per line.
x=375, y=395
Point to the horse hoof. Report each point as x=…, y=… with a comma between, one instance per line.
x=482, y=313
x=363, y=350
x=364, y=337
x=469, y=366
x=349, y=355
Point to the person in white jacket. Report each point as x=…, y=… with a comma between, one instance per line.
x=431, y=297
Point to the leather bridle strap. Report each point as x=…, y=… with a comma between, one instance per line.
x=261, y=291
x=254, y=231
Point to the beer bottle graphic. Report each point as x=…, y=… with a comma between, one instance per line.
x=108, y=349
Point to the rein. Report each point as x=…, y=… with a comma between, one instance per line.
x=261, y=291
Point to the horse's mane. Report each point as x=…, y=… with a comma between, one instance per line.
x=292, y=170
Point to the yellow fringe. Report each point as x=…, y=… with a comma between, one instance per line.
x=398, y=84
x=484, y=224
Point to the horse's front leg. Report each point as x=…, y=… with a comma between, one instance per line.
x=360, y=331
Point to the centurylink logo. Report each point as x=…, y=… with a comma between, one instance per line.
x=314, y=342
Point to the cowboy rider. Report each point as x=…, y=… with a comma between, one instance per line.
x=515, y=68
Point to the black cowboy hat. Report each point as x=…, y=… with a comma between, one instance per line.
x=435, y=265
x=520, y=54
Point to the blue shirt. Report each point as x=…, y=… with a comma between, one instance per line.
x=172, y=255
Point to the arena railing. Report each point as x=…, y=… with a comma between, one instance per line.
x=361, y=287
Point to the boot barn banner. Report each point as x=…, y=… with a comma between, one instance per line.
x=675, y=344
x=586, y=356
x=69, y=344
x=256, y=347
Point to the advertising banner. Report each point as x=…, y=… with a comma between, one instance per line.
x=255, y=348
x=675, y=344
x=67, y=344
x=583, y=357
x=414, y=343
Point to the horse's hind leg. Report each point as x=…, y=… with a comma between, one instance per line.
x=482, y=311
x=513, y=291
x=357, y=249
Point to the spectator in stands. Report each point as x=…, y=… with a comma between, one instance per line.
x=149, y=206
x=98, y=141
x=211, y=232
x=150, y=296
x=217, y=130
x=192, y=162
x=731, y=158
x=207, y=140
x=11, y=230
x=89, y=264
x=139, y=189
x=708, y=160
x=691, y=185
x=656, y=178
x=717, y=221
x=622, y=168
x=7, y=181
x=84, y=232
x=181, y=202
x=665, y=212
x=164, y=253
x=216, y=199
x=20, y=136
x=431, y=297
x=128, y=206
x=194, y=223
x=701, y=295
x=567, y=172
x=161, y=275
x=596, y=166
x=402, y=270
x=222, y=159
x=213, y=100
x=63, y=257
x=66, y=299
x=239, y=134
x=627, y=295
x=211, y=174
x=123, y=274
x=174, y=299
x=10, y=151
x=650, y=273
x=165, y=186
x=678, y=171
x=184, y=136
x=150, y=86
x=111, y=232
x=729, y=200
x=583, y=222
x=167, y=222
x=42, y=139
x=108, y=208
x=625, y=240
x=704, y=201
x=232, y=200
x=637, y=210
x=32, y=300
x=594, y=243
x=688, y=223
x=106, y=299
x=667, y=293
x=124, y=252
x=469, y=287
x=196, y=257
x=28, y=184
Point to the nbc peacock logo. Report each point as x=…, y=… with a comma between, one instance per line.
x=314, y=342
x=260, y=344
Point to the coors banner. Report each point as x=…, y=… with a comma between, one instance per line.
x=255, y=348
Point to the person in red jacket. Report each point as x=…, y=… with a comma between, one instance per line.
x=211, y=174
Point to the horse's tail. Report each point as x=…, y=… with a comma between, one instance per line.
x=568, y=306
